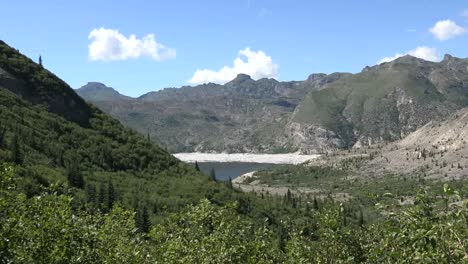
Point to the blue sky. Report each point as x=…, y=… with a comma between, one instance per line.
x=286, y=40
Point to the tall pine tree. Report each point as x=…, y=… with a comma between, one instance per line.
x=91, y=197
x=110, y=195
x=213, y=174
x=229, y=183
x=316, y=205
x=102, y=197
x=146, y=224
x=2, y=135
x=74, y=175
x=16, y=153
x=361, y=218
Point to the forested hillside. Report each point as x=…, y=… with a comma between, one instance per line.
x=54, y=136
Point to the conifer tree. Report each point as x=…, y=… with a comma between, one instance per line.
x=110, y=195
x=2, y=135
x=229, y=183
x=316, y=206
x=145, y=221
x=40, y=60
x=102, y=197
x=91, y=194
x=138, y=218
x=288, y=199
x=196, y=166
x=361, y=218
x=281, y=234
x=213, y=174
x=74, y=175
x=16, y=154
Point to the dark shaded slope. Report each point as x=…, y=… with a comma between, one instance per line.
x=39, y=86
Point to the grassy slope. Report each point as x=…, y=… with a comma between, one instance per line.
x=367, y=103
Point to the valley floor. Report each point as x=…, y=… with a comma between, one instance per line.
x=286, y=158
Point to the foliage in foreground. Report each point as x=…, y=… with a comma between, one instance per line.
x=45, y=229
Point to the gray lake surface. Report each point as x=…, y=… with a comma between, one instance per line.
x=226, y=170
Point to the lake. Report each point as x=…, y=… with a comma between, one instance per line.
x=232, y=165
x=226, y=170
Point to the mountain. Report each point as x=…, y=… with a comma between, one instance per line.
x=243, y=115
x=96, y=91
x=382, y=103
x=52, y=135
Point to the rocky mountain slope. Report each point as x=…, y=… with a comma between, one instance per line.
x=437, y=149
x=243, y=115
x=381, y=104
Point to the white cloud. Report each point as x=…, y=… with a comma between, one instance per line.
x=422, y=52
x=111, y=45
x=447, y=29
x=258, y=65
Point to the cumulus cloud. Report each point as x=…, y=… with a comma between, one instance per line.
x=111, y=45
x=447, y=29
x=254, y=63
x=422, y=52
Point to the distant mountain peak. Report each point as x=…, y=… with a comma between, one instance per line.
x=316, y=76
x=407, y=59
x=96, y=84
x=240, y=78
x=448, y=57
x=99, y=91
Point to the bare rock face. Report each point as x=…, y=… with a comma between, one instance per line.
x=437, y=148
x=312, y=139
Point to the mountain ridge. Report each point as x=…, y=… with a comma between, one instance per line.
x=382, y=103
x=212, y=117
